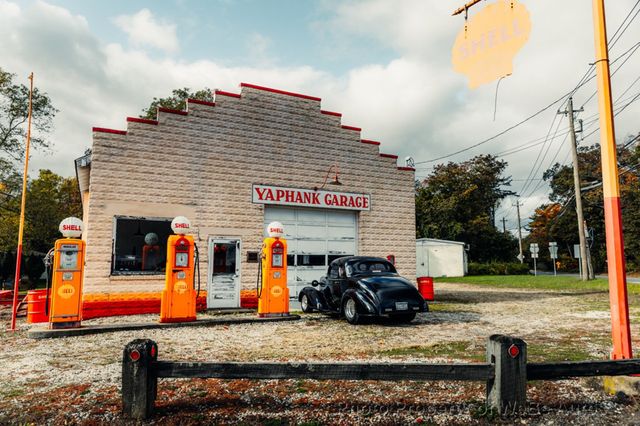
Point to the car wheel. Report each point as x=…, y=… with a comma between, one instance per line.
x=404, y=318
x=305, y=304
x=350, y=310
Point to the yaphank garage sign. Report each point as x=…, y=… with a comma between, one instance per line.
x=265, y=194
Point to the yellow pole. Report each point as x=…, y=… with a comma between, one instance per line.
x=16, y=284
x=611, y=191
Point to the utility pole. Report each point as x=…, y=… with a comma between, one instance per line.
x=520, y=255
x=504, y=225
x=576, y=186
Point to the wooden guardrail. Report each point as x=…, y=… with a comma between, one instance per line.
x=506, y=373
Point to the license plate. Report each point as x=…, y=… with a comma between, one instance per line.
x=402, y=306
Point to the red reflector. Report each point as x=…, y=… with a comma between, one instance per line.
x=153, y=351
x=134, y=355
x=514, y=351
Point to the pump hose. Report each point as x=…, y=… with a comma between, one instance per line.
x=258, y=281
x=197, y=266
x=47, y=268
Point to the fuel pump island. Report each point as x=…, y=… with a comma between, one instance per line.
x=178, y=298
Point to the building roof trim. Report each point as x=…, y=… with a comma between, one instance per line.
x=172, y=111
x=280, y=92
x=112, y=131
x=223, y=93
x=199, y=102
x=142, y=120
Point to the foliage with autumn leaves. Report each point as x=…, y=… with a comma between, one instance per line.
x=557, y=220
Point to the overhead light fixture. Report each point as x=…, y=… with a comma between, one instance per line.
x=336, y=179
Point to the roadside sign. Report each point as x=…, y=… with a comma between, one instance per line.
x=520, y=257
x=576, y=251
x=553, y=250
x=534, y=248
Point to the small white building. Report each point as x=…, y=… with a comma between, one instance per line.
x=440, y=258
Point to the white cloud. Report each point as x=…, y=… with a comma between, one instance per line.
x=144, y=30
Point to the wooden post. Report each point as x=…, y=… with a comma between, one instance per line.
x=139, y=379
x=507, y=391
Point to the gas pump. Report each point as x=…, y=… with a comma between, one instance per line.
x=66, y=279
x=273, y=293
x=178, y=303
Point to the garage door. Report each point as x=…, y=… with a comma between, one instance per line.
x=314, y=238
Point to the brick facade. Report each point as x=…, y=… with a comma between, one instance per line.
x=202, y=163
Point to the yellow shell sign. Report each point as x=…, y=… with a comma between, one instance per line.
x=485, y=49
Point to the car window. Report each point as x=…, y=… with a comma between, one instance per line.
x=333, y=270
x=372, y=267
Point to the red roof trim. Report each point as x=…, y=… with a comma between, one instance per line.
x=223, y=93
x=370, y=142
x=280, y=92
x=357, y=129
x=112, y=131
x=199, y=102
x=389, y=156
x=172, y=111
x=141, y=120
x=408, y=169
x=337, y=114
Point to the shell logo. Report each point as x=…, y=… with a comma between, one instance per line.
x=180, y=225
x=484, y=50
x=276, y=291
x=275, y=230
x=71, y=227
x=180, y=287
x=66, y=291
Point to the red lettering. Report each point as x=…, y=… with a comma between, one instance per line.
x=307, y=198
x=358, y=202
x=269, y=196
x=260, y=193
x=351, y=202
x=279, y=194
x=181, y=225
x=290, y=196
x=299, y=197
x=71, y=228
x=316, y=199
x=343, y=201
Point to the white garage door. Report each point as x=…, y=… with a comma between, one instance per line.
x=314, y=238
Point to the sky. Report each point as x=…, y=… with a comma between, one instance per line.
x=386, y=65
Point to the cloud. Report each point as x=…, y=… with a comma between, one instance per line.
x=415, y=104
x=144, y=30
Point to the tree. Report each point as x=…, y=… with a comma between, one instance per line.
x=177, y=100
x=557, y=221
x=14, y=108
x=458, y=201
x=50, y=198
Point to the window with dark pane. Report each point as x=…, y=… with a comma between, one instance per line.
x=140, y=245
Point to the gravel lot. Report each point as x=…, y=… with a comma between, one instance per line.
x=76, y=380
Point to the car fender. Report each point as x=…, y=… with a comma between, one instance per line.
x=315, y=297
x=364, y=304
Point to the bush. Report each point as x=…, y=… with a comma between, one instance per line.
x=498, y=268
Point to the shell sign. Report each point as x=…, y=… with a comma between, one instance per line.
x=485, y=48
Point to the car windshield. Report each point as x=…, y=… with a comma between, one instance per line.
x=369, y=267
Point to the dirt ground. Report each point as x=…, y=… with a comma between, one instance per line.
x=77, y=380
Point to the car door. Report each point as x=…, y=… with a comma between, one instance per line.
x=335, y=284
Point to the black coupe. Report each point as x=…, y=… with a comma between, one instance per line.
x=361, y=287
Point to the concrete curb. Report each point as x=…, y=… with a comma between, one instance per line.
x=43, y=333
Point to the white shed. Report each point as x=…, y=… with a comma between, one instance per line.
x=440, y=258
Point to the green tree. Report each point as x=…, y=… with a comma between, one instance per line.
x=457, y=201
x=14, y=108
x=177, y=100
x=50, y=198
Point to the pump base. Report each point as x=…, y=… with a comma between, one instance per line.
x=272, y=315
x=67, y=324
x=184, y=319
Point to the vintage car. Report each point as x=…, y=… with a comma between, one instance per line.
x=360, y=287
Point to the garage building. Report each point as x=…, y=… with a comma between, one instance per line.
x=232, y=166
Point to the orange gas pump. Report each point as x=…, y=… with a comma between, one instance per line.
x=178, y=303
x=66, y=280
x=273, y=293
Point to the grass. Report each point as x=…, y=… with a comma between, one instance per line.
x=541, y=282
x=455, y=350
